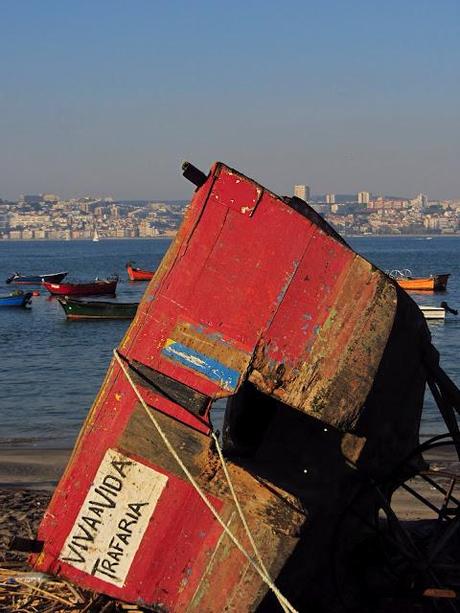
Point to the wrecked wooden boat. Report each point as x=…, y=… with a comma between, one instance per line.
x=322, y=359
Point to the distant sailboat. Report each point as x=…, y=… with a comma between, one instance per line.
x=95, y=236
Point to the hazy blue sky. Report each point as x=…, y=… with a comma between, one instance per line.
x=108, y=96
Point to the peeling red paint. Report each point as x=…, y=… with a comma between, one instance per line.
x=254, y=287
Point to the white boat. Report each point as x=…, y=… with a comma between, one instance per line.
x=95, y=236
x=431, y=312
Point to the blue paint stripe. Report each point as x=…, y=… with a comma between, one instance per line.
x=212, y=369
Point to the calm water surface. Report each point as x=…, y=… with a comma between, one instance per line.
x=51, y=369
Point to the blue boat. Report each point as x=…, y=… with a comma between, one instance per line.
x=17, y=298
x=19, y=279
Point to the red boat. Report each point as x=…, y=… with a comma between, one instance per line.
x=137, y=274
x=322, y=358
x=95, y=288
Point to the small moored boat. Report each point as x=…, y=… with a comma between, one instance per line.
x=433, y=312
x=137, y=274
x=98, y=287
x=405, y=280
x=17, y=298
x=93, y=309
x=19, y=279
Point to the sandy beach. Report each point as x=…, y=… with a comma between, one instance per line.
x=38, y=469
x=27, y=480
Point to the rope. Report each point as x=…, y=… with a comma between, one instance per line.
x=261, y=570
x=240, y=510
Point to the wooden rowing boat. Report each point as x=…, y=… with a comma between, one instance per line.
x=19, y=279
x=435, y=283
x=92, y=309
x=99, y=287
x=137, y=274
x=320, y=357
x=431, y=312
x=16, y=299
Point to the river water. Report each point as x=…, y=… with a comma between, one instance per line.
x=51, y=368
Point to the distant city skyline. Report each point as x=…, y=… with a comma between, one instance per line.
x=47, y=217
x=310, y=191
x=109, y=97
x=300, y=190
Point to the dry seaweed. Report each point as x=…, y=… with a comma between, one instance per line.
x=25, y=591
x=31, y=592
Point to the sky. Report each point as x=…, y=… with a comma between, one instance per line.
x=109, y=96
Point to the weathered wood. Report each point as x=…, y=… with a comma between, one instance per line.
x=170, y=388
x=322, y=355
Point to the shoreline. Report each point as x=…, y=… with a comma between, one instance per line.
x=41, y=468
x=24, y=503
x=37, y=469
x=430, y=236
x=88, y=240
x=172, y=236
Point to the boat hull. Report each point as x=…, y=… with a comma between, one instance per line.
x=434, y=283
x=430, y=312
x=137, y=274
x=36, y=279
x=18, y=300
x=320, y=356
x=98, y=288
x=85, y=309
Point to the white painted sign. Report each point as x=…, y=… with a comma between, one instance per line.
x=113, y=518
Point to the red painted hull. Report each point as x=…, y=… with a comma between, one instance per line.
x=260, y=301
x=97, y=288
x=137, y=274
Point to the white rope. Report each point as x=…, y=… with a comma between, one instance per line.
x=240, y=511
x=259, y=569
